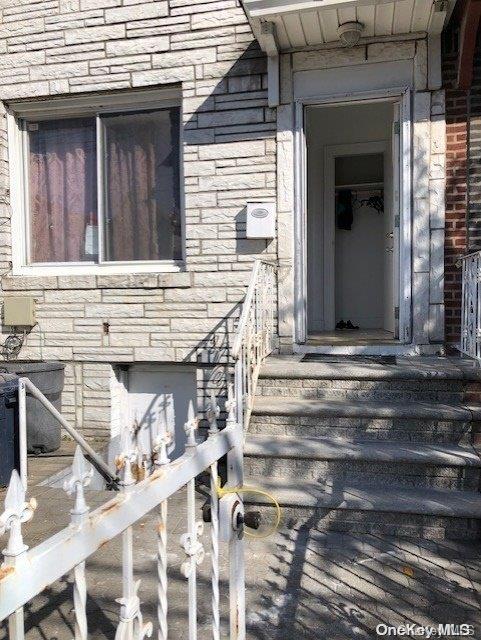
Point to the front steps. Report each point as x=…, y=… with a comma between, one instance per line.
x=328, y=459
x=371, y=448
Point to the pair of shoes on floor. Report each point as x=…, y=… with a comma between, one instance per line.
x=346, y=325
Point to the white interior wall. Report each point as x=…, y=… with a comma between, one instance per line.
x=359, y=290
x=359, y=252
x=334, y=126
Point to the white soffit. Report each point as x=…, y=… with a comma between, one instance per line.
x=304, y=23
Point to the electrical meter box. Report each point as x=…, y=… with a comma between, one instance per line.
x=19, y=311
x=261, y=220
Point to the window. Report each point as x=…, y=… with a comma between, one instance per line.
x=62, y=187
x=142, y=220
x=102, y=188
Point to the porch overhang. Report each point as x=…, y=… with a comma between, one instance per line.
x=295, y=24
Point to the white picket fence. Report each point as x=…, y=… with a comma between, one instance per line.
x=471, y=305
x=26, y=572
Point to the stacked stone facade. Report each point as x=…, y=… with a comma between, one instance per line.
x=68, y=47
x=235, y=149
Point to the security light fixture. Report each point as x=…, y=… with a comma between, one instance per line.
x=349, y=33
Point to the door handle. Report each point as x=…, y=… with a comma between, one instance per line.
x=390, y=234
x=389, y=249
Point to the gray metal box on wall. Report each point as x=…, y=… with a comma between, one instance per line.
x=19, y=311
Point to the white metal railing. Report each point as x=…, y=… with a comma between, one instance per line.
x=471, y=305
x=254, y=339
x=25, y=572
x=24, y=385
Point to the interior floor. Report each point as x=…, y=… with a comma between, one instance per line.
x=357, y=337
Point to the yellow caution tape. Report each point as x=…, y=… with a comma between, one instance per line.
x=246, y=489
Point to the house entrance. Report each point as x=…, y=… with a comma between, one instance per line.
x=352, y=223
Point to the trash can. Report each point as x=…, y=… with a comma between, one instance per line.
x=9, y=432
x=43, y=430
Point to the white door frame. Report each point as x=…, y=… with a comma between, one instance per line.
x=403, y=94
x=332, y=152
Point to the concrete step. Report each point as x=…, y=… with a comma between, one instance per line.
x=278, y=406
x=428, y=369
x=414, y=512
x=402, y=422
x=364, y=428
x=433, y=502
x=433, y=379
x=368, y=446
x=338, y=449
x=370, y=463
x=445, y=391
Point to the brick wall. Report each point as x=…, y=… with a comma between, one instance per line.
x=463, y=175
x=66, y=47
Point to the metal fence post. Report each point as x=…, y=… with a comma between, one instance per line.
x=17, y=511
x=189, y=541
x=235, y=478
x=82, y=473
x=131, y=625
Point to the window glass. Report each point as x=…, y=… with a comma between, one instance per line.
x=141, y=160
x=63, y=190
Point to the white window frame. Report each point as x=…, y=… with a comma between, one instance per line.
x=18, y=116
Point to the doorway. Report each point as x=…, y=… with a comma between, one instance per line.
x=352, y=223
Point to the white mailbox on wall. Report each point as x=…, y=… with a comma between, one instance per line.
x=261, y=220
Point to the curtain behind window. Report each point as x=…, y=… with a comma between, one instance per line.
x=63, y=190
x=142, y=216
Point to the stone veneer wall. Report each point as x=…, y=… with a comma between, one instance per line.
x=428, y=169
x=68, y=47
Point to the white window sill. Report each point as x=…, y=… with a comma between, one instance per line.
x=39, y=270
